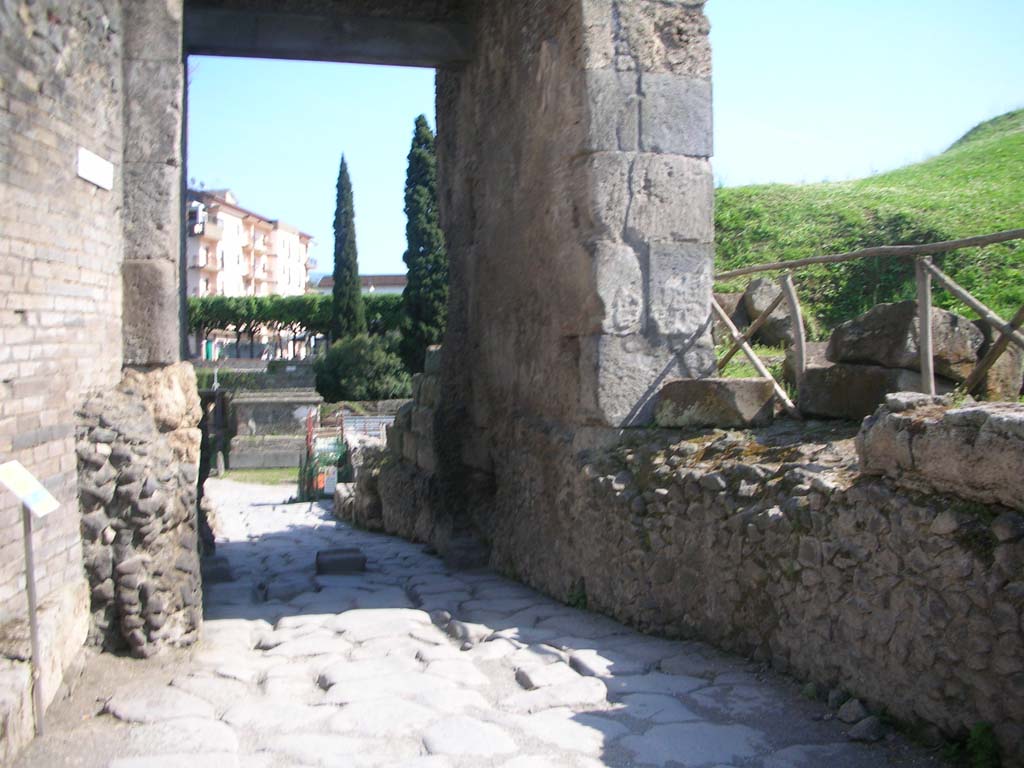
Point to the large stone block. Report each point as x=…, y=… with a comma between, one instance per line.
x=598, y=33
x=848, y=391
x=603, y=194
x=432, y=360
x=664, y=37
x=620, y=375
x=612, y=110
x=342, y=560
x=975, y=452
x=671, y=198
x=151, y=329
x=732, y=303
x=1005, y=379
x=758, y=296
x=675, y=115
x=154, y=93
x=152, y=218
x=430, y=391
x=814, y=358
x=169, y=391
x=679, y=284
x=152, y=29
x=888, y=335
x=620, y=286
x=725, y=403
x=423, y=422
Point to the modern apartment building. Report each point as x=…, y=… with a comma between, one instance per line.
x=232, y=251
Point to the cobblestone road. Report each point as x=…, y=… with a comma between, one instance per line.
x=296, y=669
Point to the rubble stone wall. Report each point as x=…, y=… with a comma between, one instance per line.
x=138, y=450
x=774, y=544
x=411, y=435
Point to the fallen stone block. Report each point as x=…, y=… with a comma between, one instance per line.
x=814, y=358
x=715, y=403
x=340, y=561
x=887, y=335
x=1005, y=379
x=732, y=303
x=849, y=391
x=778, y=330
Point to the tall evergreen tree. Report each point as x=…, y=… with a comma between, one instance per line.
x=349, y=317
x=425, y=299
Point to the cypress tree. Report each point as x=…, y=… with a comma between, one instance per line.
x=349, y=317
x=425, y=299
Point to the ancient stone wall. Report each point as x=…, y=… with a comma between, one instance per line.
x=973, y=451
x=154, y=95
x=774, y=544
x=576, y=197
x=411, y=436
x=60, y=261
x=90, y=174
x=138, y=451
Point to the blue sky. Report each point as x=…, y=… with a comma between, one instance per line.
x=805, y=90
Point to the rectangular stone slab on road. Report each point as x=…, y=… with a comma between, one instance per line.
x=343, y=560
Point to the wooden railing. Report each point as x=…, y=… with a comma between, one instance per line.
x=925, y=271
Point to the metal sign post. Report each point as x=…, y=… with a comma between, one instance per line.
x=33, y=620
x=35, y=500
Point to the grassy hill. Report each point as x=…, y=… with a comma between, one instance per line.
x=973, y=188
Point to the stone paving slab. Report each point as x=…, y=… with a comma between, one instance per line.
x=412, y=664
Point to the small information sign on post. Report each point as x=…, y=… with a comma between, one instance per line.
x=35, y=500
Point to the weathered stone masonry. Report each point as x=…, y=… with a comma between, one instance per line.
x=88, y=277
x=60, y=261
x=576, y=200
x=138, y=453
x=775, y=544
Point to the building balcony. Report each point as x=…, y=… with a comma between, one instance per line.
x=211, y=231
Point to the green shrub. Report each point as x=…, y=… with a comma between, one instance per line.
x=361, y=367
x=982, y=747
x=384, y=313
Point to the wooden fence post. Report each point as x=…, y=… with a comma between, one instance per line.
x=924, y=316
x=799, y=336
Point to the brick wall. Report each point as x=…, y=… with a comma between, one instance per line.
x=60, y=260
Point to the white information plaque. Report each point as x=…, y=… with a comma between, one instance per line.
x=28, y=489
x=95, y=169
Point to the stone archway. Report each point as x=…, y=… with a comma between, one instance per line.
x=575, y=187
x=576, y=196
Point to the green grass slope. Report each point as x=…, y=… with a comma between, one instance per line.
x=975, y=187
